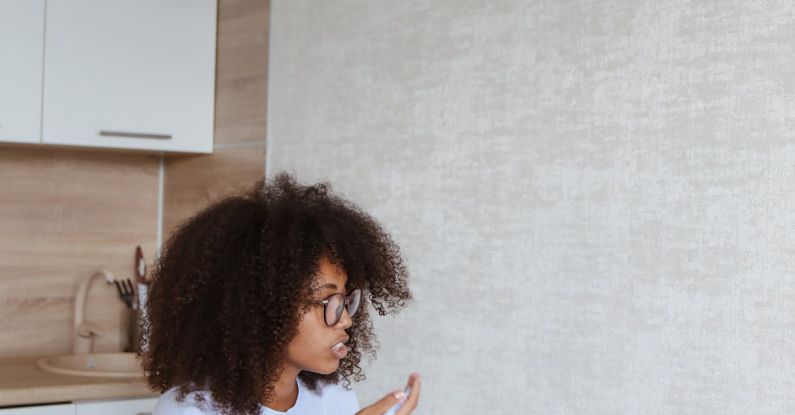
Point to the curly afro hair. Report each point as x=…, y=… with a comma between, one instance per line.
x=232, y=282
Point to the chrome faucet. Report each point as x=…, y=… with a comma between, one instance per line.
x=85, y=331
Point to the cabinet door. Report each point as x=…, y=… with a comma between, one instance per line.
x=21, y=53
x=61, y=409
x=117, y=407
x=134, y=74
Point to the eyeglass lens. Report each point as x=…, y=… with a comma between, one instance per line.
x=336, y=304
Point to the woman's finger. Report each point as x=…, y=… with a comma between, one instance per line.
x=414, y=395
x=382, y=405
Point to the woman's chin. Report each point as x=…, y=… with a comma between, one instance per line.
x=328, y=369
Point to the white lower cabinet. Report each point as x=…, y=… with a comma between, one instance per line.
x=60, y=409
x=111, y=407
x=116, y=407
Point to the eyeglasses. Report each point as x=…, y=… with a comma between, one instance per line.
x=334, y=304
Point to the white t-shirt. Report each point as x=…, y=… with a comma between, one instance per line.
x=330, y=400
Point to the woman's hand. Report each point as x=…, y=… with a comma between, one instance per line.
x=388, y=401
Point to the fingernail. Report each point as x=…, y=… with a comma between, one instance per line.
x=399, y=395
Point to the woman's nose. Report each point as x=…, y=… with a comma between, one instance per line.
x=345, y=320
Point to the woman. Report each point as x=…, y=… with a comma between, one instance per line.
x=258, y=306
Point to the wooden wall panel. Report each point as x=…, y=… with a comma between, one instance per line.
x=63, y=215
x=241, y=91
x=191, y=183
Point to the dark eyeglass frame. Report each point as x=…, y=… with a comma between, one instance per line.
x=347, y=300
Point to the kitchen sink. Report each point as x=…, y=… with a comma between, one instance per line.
x=107, y=365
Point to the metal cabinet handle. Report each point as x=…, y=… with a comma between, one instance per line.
x=108, y=133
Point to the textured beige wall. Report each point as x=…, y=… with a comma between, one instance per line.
x=595, y=197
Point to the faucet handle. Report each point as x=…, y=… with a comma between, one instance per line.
x=85, y=329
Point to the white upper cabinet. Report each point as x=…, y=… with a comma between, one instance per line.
x=130, y=74
x=21, y=53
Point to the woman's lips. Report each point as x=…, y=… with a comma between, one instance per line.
x=339, y=350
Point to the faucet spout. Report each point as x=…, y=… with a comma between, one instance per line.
x=86, y=329
x=84, y=332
